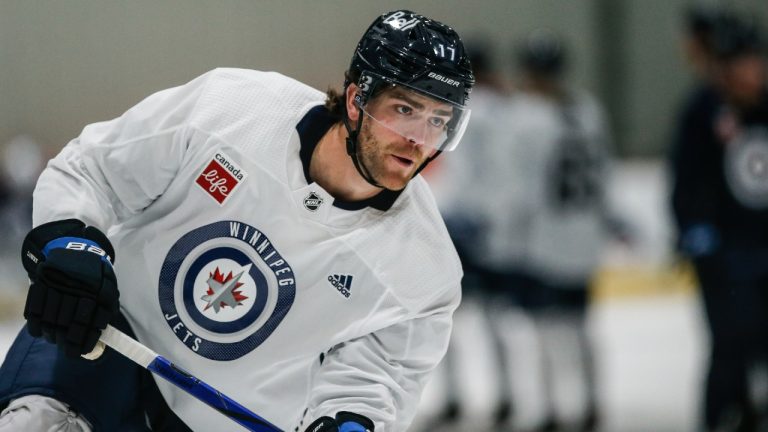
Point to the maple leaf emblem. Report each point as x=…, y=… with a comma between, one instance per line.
x=223, y=290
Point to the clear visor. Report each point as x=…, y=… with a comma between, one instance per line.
x=418, y=118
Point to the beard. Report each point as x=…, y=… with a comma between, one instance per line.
x=376, y=156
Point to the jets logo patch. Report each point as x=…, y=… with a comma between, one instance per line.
x=220, y=177
x=224, y=288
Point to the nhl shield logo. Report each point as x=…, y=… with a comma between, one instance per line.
x=224, y=289
x=313, y=201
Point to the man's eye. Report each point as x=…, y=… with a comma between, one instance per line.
x=437, y=122
x=403, y=109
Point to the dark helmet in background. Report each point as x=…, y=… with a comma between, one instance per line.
x=480, y=52
x=736, y=35
x=542, y=53
x=701, y=18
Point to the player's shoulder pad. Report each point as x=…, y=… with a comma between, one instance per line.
x=234, y=98
x=254, y=110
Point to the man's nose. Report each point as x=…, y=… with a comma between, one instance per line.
x=416, y=135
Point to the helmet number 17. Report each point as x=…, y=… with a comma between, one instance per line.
x=441, y=51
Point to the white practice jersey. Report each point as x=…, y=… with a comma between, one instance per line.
x=234, y=267
x=560, y=154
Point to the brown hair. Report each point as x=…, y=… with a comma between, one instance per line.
x=335, y=100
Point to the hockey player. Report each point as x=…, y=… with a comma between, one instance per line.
x=274, y=241
x=560, y=142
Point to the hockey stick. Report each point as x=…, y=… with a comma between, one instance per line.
x=159, y=365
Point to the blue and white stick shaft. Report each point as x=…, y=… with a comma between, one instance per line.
x=159, y=365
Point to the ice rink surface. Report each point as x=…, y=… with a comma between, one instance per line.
x=649, y=358
x=647, y=325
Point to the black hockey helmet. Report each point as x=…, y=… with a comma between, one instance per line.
x=411, y=50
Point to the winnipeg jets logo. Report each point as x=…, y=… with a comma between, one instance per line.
x=224, y=288
x=222, y=291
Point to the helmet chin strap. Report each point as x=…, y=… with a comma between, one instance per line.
x=426, y=162
x=352, y=147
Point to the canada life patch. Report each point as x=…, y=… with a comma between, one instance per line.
x=224, y=288
x=220, y=177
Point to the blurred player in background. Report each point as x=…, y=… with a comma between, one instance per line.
x=562, y=139
x=530, y=221
x=720, y=202
x=274, y=240
x=478, y=194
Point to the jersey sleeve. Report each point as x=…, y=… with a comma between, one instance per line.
x=117, y=168
x=382, y=375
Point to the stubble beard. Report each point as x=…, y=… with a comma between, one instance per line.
x=373, y=154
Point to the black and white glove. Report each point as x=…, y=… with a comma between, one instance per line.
x=73, y=293
x=344, y=422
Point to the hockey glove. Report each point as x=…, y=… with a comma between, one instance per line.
x=73, y=294
x=323, y=424
x=344, y=422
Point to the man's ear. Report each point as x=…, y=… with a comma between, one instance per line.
x=353, y=111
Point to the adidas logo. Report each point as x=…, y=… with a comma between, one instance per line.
x=343, y=283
